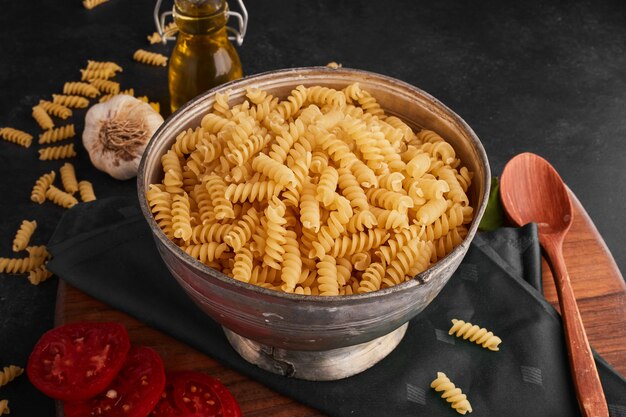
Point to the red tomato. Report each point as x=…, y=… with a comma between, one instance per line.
x=76, y=361
x=166, y=406
x=202, y=395
x=133, y=393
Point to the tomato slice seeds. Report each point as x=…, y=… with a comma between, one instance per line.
x=133, y=393
x=202, y=395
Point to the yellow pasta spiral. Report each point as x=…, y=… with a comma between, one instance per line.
x=360, y=242
x=476, y=334
x=431, y=211
x=20, y=265
x=242, y=269
x=327, y=276
x=39, y=275
x=60, y=198
x=365, y=141
x=93, y=65
x=327, y=186
x=241, y=231
x=57, y=134
x=206, y=252
x=23, y=235
x=293, y=103
x=187, y=141
x=97, y=74
x=105, y=86
x=36, y=251
x=292, y=263
x=206, y=233
x=451, y=394
x=309, y=208
x=372, y=278
x=446, y=243
x=452, y=218
x=456, y=193
x=90, y=4
x=68, y=178
x=390, y=200
x=160, y=202
x=4, y=407
x=81, y=89
x=360, y=221
x=299, y=161
x=242, y=152
x=214, y=123
x=150, y=58
x=85, y=189
x=391, y=181
x=57, y=152
x=38, y=195
x=326, y=96
x=370, y=105
x=411, y=259
x=216, y=187
x=9, y=373
x=16, y=136
x=42, y=118
x=274, y=246
x=181, y=217
x=274, y=170
x=76, y=102
x=335, y=226
x=56, y=109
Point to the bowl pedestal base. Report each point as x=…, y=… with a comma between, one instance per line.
x=325, y=365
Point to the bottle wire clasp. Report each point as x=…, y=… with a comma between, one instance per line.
x=166, y=31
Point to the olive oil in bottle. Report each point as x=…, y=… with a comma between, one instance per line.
x=203, y=56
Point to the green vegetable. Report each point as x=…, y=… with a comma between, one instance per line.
x=494, y=215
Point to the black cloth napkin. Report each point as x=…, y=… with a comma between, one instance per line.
x=105, y=249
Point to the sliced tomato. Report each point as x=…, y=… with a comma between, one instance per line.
x=166, y=407
x=133, y=393
x=76, y=361
x=202, y=395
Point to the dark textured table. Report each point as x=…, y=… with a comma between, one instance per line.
x=547, y=78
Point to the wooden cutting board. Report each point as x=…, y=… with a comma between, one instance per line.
x=598, y=285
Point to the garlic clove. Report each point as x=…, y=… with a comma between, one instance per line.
x=117, y=132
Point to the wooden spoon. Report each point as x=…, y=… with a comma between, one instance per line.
x=532, y=191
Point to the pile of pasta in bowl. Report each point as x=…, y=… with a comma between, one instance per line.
x=320, y=193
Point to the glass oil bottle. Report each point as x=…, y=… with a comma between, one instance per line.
x=203, y=56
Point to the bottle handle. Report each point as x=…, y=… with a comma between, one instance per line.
x=237, y=34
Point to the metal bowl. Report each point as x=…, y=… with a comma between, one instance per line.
x=262, y=322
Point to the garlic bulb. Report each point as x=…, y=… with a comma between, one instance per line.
x=117, y=132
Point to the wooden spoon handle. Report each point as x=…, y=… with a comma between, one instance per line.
x=583, y=367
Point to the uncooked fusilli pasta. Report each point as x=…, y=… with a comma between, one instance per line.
x=57, y=152
x=150, y=58
x=16, y=136
x=476, y=334
x=42, y=118
x=20, y=265
x=451, y=394
x=81, y=89
x=9, y=373
x=39, y=275
x=76, y=102
x=57, y=134
x=60, y=198
x=68, y=178
x=85, y=189
x=56, y=109
x=105, y=86
x=38, y=195
x=90, y=4
x=4, y=407
x=23, y=235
